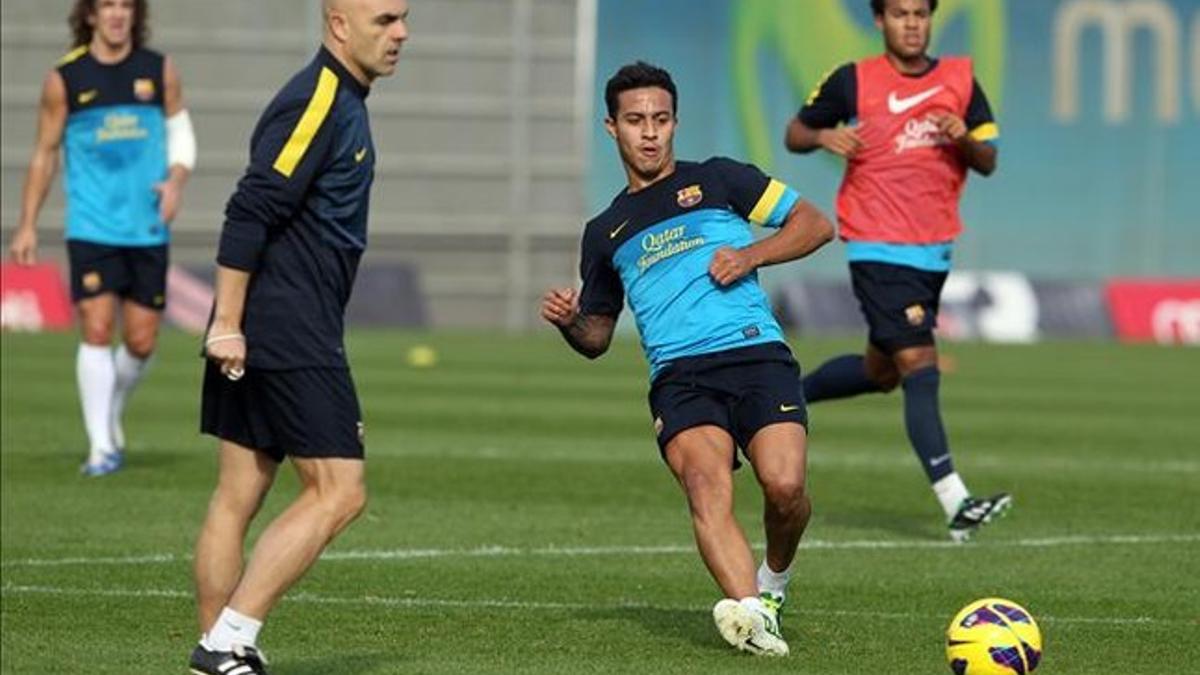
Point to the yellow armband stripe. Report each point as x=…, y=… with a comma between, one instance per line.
x=306, y=129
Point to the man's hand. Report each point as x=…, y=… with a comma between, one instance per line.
x=170, y=194
x=843, y=141
x=730, y=264
x=23, y=247
x=560, y=306
x=227, y=346
x=952, y=126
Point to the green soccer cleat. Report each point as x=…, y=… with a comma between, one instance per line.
x=774, y=603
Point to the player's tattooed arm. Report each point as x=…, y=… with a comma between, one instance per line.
x=588, y=334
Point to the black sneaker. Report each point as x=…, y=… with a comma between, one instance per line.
x=973, y=513
x=242, y=660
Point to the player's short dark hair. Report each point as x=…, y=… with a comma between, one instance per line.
x=81, y=31
x=636, y=76
x=877, y=6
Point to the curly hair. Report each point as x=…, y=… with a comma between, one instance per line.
x=877, y=6
x=81, y=30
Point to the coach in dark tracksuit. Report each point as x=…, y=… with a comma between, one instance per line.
x=277, y=382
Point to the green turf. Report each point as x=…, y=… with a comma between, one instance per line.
x=518, y=445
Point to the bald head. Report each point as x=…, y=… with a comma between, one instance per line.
x=336, y=5
x=365, y=35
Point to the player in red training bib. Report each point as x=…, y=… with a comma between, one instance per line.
x=909, y=126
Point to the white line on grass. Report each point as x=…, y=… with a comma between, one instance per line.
x=835, y=458
x=585, y=551
x=504, y=603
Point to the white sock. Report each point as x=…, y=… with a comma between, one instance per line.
x=129, y=369
x=950, y=492
x=770, y=581
x=754, y=604
x=95, y=375
x=232, y=627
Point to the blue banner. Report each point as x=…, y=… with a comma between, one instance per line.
x=1098, y=103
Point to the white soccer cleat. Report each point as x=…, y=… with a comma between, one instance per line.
x=749, y=626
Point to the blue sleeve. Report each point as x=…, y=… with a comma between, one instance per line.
x=602, y=291
x=289, y=146
x=753, y=195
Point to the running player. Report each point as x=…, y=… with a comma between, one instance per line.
x=912, y=127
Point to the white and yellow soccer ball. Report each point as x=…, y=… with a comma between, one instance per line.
x=993, y=636
x=422, y=356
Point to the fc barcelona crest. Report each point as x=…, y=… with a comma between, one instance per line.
x=91, y=282
x=915, y=315
x=689, y=196
x=143, y=89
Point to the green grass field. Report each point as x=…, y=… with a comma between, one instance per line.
x=521, y=521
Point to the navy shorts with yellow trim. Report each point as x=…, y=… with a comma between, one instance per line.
x=740, y=390
x=138, y=273
x=899, y=302
x=308, y=413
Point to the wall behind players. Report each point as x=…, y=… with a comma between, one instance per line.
x=1098, y=103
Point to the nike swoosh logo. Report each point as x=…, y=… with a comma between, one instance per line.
x=360, y=155
x=87, y=96
x=898, y=105
x=788, y=408
x=938, y=461
x=614, y=233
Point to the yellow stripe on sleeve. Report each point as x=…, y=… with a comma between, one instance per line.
x=73, y=55
x=986, y=132
x=302, y=136
x=816, y=91
x=767, y=202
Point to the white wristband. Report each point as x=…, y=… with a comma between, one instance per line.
x=223, y=338
x=181, y=141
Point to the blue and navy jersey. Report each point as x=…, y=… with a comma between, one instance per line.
x=114, y=146
x=654, y=247
x=298, y=220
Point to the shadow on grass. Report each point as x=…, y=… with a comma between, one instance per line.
x=922, y=526
x=693, y=627
x=342, y=664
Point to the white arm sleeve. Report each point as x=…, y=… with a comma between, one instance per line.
x=181, y=141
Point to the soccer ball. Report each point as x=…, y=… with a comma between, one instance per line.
x=993, y=636
x=422, y=356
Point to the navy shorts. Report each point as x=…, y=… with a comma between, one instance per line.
x=138, y=273
x=740, y=390
x=308, y=413
x=900, y=303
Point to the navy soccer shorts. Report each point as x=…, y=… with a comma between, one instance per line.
x=308, y=413
x=900, y=303
x=740, y=390
x=138, y=273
